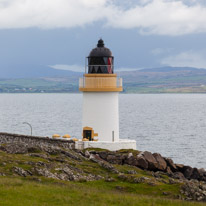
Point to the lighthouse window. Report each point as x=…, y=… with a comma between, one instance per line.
x=105, y=65
x=99, y=70
x=93, y=70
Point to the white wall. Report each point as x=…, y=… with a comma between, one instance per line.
x=101, y=112
x=112, y=146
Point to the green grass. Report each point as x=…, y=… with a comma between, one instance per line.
x=18, y=192
x=38, y=190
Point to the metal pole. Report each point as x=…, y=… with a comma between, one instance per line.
x=29, y=126
x=112, y=136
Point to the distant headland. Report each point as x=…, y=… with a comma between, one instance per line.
x=154, y=80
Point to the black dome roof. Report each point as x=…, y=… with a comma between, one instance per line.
x=100, y=50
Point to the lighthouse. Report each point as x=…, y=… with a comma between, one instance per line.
x=101, y=86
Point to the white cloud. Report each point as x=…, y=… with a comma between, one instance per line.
x=161, y=17
x=123, y=69
x=186, y=59
x=75, y=68
x=78, y=68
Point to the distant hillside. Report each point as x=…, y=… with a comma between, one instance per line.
x=165, y=79
x=33, y=71
x=156, y=80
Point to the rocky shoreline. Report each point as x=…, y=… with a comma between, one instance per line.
x=151, y=162
x=145, y=168
x=193, y=179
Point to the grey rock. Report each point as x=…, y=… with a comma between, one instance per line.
x=129, y=155
x=87, y=154
x=178, y=175
x=114, y=159
x=109, y=179
x=109, y=167
x=141, y=179
x=71, y=155
x=133, y=172
x=21, y=172
x=103, y=155
x=46, y=173
x=15, y=148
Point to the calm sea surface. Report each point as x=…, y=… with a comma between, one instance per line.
x=171, y=124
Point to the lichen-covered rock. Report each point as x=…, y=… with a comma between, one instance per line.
x=178, y=175
x=103, y=155
x=194, y=190
x=87, y=154
x=114, y=159
x=46, y=173
x=21, y=172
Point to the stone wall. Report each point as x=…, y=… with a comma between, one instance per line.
x=34, y=141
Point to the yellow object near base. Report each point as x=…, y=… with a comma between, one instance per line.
x=56, y=136
x=75, y=139
x=85, y=139
x=66, y=136
x=95, y=140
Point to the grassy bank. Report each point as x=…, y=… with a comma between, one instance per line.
x=19, y=191
x=33, y=187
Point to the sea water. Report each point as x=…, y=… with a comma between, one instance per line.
x=171, y=124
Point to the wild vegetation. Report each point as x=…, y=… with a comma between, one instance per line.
x=57, y=176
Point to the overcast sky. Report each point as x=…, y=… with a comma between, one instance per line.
x=140, y=33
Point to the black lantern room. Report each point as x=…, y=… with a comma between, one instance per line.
x=100, y=60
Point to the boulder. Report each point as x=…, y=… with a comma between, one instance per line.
x=141, y=162
x=178, y=175
x=130, y=161
x=195, y=174
x=152, y=162
x=179, y=167
x=103, y=155
x=162, y=165
x=202, y=173
x=114, y=159
x=108, y=166
x=168, y=170
x=95, y=158
x=187, y=171
x=129, y=155
x=171, y=164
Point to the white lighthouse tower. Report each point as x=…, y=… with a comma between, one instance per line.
x=101, y=87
